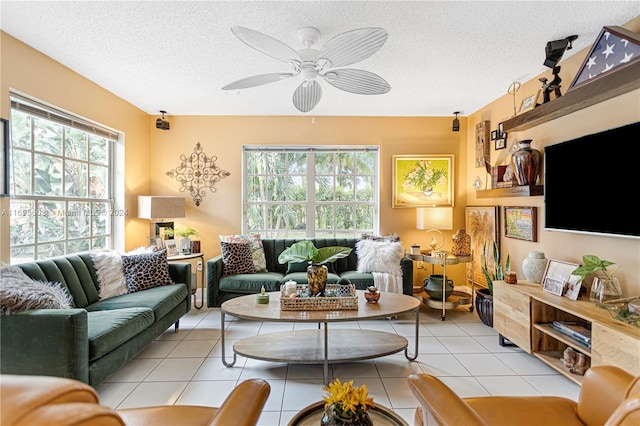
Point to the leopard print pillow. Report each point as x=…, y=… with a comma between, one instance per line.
x=146, y=270
x=236, y=258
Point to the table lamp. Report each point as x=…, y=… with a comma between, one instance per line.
x=433, y=220
x=159, y=208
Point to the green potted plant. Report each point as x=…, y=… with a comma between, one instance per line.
x=484, y=297
x=185, y=241
x=306, y=251
x=604, y=286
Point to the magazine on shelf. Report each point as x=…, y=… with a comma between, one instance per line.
x=574, y=329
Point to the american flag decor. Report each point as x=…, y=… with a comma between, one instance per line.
x=615, y=47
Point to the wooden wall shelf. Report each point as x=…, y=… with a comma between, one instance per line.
x=608, y=86
x=514, y=191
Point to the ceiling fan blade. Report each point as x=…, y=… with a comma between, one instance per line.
x=353, y=46
x=257, y=80
x=357, y=81
x=265, y=44
x=307, y=95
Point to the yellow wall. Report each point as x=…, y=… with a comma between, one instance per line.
x=564, y=246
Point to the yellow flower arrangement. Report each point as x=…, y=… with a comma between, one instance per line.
x=348, y=402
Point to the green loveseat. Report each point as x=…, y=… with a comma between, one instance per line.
x=95, y=337
x=224, y=287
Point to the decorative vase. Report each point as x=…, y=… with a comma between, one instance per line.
x=433, y=286
x=461, y=243
x=428, y=191
x=603, y=289
x=185, y=245
x=330, y=417
x=526, y=163
x=533, y=266
x=317, y=277
x=484, y=306
x=372, y=294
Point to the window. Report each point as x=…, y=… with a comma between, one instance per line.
x=323, y=192
x=61, y=183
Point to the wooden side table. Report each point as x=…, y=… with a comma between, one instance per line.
x=181, y=257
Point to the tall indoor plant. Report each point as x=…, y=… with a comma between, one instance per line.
x=484, y=297
x=305, y=251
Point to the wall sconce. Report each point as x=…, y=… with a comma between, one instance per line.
x=158, y=209
x=433, y=219
x=456, y=123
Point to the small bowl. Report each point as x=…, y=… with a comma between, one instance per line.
x=372, y=297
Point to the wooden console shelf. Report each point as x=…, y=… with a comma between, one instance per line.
x=606, y=87
x=514, y=191
x=522, y=312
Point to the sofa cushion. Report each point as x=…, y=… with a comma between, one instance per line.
x=297, y=267
x=251, y=283
x=146, y=270
x=110, y=273
x=302, y=278
x=255, y=244
x=111, y=328
x=19, y=292
x=236, y=258
x=379, y=256
x=361, y=280
x=161, y=300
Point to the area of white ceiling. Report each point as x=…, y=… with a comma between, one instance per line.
x=441, y=56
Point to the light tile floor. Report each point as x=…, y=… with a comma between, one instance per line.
x=186, y=367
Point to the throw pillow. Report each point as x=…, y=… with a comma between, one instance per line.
x=110, y=273
x=236, y=258
x=19, y=292
x=146, y=270
x=379, y=256
x=255, y=243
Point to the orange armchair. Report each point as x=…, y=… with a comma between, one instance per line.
x=55, y=401
x=609, y=396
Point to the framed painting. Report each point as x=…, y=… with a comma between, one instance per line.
x=423, y=180
x=615, y=48
x=483, y=226
x=521, y=223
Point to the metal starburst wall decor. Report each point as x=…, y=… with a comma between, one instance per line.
x=197, y=172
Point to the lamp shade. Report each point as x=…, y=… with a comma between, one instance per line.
x=435, y=218
x=160, y=207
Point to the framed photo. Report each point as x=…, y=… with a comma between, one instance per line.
x=501, y=133
x=615, y=48
x=572, y=288
x=482, y=225
x=559, y=271
x=422, y=180
x=494, y=135
x=172, y=247
x=483, y=134
x=501, y=143
x=553, y=285
x=529, y=102
x=164, y=230
x=521, y=223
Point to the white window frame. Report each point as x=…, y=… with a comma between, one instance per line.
x=115, y=215
x=311, y=201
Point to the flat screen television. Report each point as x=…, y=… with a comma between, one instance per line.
x=591, y=185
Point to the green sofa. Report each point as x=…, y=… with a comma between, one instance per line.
x=221, y=288
x=96, y=337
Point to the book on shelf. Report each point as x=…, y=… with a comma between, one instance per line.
x=577, y=330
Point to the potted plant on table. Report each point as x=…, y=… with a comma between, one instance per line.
x=604, y=286
x=484, y=297
x=305, y=251
x=346, y=405
x=185, y=241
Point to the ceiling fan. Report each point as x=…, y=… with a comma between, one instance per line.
x=344, y=49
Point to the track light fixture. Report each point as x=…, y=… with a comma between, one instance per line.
x=456, y=123
x=161, y=123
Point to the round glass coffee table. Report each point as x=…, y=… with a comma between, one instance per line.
x=380, y=416
x=320, y=346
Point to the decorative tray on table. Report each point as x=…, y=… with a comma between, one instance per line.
x=338, y=297
x=626, y=309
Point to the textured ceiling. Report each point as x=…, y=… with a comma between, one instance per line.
x=440, y=57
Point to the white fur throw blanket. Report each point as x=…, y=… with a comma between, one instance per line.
x=387, y=282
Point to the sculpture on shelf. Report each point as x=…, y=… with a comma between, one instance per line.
x=197, y=172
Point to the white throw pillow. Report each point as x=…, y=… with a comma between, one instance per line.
x=110, y=272
x=19, y=292
x=379, y=256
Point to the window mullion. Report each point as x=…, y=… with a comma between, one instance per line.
x=311, y=195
